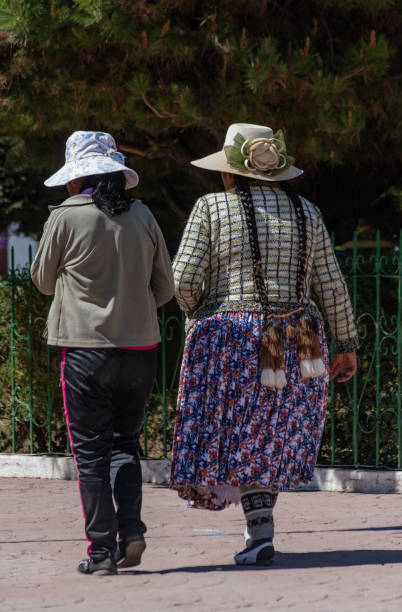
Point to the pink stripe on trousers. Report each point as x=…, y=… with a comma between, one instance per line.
x=63, y=387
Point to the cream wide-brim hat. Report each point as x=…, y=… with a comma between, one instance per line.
x=219, y=163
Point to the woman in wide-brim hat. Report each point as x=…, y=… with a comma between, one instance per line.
x=254, y=377
x=103, y=256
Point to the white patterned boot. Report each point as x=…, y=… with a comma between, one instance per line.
x=257, y=506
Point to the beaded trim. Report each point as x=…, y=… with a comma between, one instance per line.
x=250, y=306
x=341, y=346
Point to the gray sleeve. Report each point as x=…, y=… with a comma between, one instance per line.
x=162, y=275
x=192, y=258
x=45, y=266
x=330, y=287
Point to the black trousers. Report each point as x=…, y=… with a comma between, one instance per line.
x=105, y=392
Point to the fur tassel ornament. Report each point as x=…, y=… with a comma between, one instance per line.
x=272, y=356
x=311, y=363
x=290, y=331
x=303, y=327
x=310, y=368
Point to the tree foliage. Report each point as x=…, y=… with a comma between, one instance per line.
x=167, y=77
x=23, y=198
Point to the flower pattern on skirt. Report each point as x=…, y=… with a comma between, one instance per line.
x=230, y=429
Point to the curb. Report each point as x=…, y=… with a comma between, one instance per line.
x=157, y=471
x=355, y=481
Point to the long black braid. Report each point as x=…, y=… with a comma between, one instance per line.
x=302, y=251
x=243, y=190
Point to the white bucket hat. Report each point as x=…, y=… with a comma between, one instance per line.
x=253, y=151
x=90, y=153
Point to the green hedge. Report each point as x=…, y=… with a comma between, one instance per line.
x=355, y=439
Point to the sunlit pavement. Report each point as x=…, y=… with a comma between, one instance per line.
x=336, y=551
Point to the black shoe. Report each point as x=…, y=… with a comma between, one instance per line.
x=261, y=552
x=130, y=551
x=105, y=567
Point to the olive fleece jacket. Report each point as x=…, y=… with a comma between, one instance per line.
x=108, y=275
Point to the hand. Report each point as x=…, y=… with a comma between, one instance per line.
x=344, y=364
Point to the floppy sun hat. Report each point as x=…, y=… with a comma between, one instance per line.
x=253, y=151
x=90, y=153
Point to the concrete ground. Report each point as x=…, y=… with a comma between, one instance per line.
x=337, y=551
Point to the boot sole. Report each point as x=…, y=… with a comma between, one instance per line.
x=104, y=573
x=262, y=554
x=262, y=562
x=134, y=550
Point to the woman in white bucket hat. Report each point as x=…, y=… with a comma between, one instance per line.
x=254, y=378
x=103, y=256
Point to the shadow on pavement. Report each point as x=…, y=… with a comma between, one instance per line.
x=43, y=541
x=221, y=534
x=333, y=558
x=385, y=528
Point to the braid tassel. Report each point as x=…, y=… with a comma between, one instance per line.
x=272, y=348
x=311, y=363
x=272, y=357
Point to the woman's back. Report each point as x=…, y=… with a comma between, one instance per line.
x=213, y=267
x=231, y=261
x=109, y=274
x=220, y=218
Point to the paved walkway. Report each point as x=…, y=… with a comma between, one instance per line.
x=337, y=552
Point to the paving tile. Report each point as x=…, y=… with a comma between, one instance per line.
x=336, y=551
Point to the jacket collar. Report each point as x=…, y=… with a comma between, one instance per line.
x=78, y=200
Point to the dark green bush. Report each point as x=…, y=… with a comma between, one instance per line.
x=370, y=400
x=35, y=376
x=25, y=369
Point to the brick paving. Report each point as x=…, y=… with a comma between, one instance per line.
x=336, y=552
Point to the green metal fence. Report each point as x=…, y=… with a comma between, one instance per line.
x=31, y=407
x=364, y=424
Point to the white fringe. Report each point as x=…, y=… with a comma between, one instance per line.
x=280, y=377
x=310, y=368
x=273, y=378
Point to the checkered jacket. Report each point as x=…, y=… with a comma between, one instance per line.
x=213, y=268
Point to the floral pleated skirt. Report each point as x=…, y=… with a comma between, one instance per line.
x=230, y=430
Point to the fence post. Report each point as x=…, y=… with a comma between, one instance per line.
x=49, y=394
x=399, y=351
x=12, y=353
x=331, y=403
x=30, y=355
x=354, y=383
x=164, y=398
x=377, y=346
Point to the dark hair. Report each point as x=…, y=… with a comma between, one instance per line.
x=109, y=193
x=243, y=190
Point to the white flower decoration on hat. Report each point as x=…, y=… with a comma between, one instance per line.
x=264, y=155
